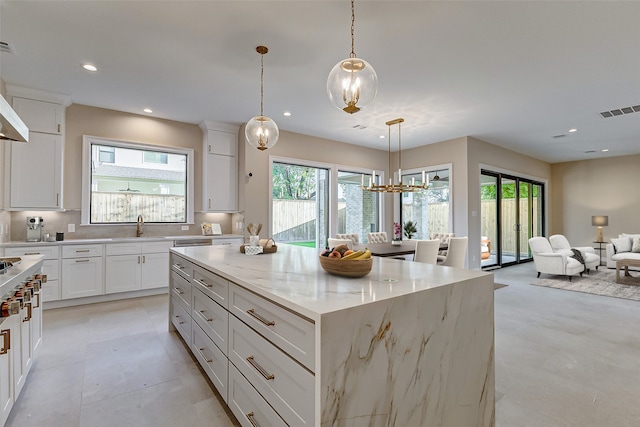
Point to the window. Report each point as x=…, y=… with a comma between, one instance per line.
x=429, y=210
x=122, y=180
x=155, y=157
x=358, y=210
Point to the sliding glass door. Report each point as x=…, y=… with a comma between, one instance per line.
x=515, y=205
x=358, y=210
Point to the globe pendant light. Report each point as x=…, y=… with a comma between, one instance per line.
x=352, y=83
x=261, y=132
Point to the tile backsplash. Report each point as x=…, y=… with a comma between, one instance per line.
x=15, y=224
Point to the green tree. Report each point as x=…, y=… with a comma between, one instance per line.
x=291, y=182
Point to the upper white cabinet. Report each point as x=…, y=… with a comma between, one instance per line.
x=34, y=171
x=220, y=167
x=40, y=116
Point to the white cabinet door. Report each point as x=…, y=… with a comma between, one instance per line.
x=7, y=352
x=222, y=183
x=82, y=277
x=19, y=375
x=220, y=142
x=40, y=116
x=36, y=172
x=155, y=270
x=123, y=273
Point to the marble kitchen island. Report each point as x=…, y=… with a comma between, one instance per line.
x=410, y=344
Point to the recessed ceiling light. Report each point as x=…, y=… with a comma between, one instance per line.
x=148, y=110
x=605, y=150
x=286, y=114
x=573, y=130
x=89, y=67
x=382, y=136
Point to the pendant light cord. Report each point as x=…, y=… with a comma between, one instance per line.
x=353, y=20
x=261, y=82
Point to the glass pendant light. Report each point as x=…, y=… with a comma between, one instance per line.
x=261, y=132
x=352, y=83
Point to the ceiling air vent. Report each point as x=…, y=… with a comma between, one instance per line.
x=620, y=111
x=558, y=136
x=6, y=47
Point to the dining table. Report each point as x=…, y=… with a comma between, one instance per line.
x=388, y=249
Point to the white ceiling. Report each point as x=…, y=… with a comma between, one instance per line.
x=511, y=73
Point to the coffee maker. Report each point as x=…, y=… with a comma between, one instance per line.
x=35, y=228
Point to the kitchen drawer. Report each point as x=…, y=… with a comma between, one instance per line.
x=286, y=385
x=212, y=318
x=212, y=284
x=182, y=267
x=81, y=251
x=49, y=252
x=181, y=291
x=128, y=248
x=247, y=405
x=214, y=363
x=156, y=247
x=293, y=334
x=228, y=241
x=181, y=320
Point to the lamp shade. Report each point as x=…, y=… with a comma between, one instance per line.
x=600, y=221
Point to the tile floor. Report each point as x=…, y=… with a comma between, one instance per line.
x=562, y=359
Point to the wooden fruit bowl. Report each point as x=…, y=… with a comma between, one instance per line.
x=347, y=267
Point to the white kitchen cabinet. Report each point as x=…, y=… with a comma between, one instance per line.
x=40, y=116
x=133, y=266
x=7, y=356
x=50, y=290
x=35, y=180
x=220, y=167
x=82, y=268
x=34, y=171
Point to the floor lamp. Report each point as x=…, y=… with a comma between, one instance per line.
x=599, y=221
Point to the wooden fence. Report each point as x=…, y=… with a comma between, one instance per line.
x=125, y=207
x=509, y=236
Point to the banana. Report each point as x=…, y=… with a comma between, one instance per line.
x=354, y=255
x=365, y=255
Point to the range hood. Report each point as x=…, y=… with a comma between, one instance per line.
x=12, y=128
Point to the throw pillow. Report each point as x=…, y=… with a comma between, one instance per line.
x=622, y=244
x=636, y=245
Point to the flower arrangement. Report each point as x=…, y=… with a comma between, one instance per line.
x=410, y=229
x=397, y=231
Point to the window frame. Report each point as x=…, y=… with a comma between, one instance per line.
x=88, y=141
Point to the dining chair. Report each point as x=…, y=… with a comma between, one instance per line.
x=427, y=251
x=352, y=236
x=457, y=252
x=335, y=242
x=377, y=237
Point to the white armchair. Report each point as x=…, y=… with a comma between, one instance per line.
x=560, y=244
x=351, y=236
x=550, y=262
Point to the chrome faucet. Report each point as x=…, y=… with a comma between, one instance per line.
x=140, y=226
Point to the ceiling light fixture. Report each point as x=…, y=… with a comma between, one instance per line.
x=605, y=150
x=394, y=187
x=89, y=67
x=352, y=83
x=286, y=114
x=148, y=110
x=573, y=130
x=261, y=132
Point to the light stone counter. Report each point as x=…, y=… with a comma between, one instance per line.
x=28, y=265
x=13, y=244
x=410, y=344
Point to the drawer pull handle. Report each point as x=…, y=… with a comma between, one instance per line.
x=202, y=283
x=32, y=253
x=179, y=266
x=28, y=305
x=83, y=260
x=178, y=291
x=253, y=422
x=82, y=250
x=6, y=336
x=205, y=317
x=201, y=351
x=267, y=376
x=255, y=315
x=37, y=294
x=179, y=322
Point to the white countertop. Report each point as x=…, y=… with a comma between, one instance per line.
x=14, y=275
x=294, y=278
x=120, y=240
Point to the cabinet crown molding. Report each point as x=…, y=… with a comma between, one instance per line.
x=25, y=92
x=206, y=125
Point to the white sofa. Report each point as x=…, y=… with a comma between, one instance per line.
x=622, y=250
